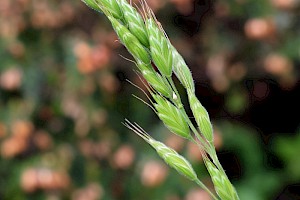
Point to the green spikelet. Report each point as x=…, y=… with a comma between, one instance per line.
x=159, y=47
x=174, y=160
x=170, y=156
x=130, y=41
x=222, y=184
x=110, y=6
x=182, y=71
x=134, y=22
x=92, y=4
x=154, y=79
x=201, y=117
x=171, y=117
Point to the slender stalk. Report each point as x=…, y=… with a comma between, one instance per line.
x=191, y=125
x=206, y=189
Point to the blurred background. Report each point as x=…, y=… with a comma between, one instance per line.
x=64, y=94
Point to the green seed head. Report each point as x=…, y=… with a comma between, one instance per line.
x=223, y=187
x=173, y=159
x=159, y=47
x=182, y=71
x=111, y=7
x=170, y=156
x=92, y=4
x=201, y=117
x=154, y=79
x=171, y=117
x=135, y=22
x=130, y=41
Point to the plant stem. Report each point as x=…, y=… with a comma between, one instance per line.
x=179, y=104
x=206, y=189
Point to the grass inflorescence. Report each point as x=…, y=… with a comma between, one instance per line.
x=142, y=35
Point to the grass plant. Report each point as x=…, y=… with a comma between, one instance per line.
x=142, y=35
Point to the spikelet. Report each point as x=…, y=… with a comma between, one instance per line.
x=182, y=71
x=130, y=41
x=201, y=117
x=154, y=79
x=171, y=117
x=159, y=48
x=174, y=160
x=92, y=4
x=135, y=22
x=170, y=156
x=223, y=187
x=110, y=6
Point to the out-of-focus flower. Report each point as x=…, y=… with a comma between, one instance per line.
x=197, y=194
x=237, y=71
x=277, y=64
x=86, y=147
x=100, y=55
x=93, y=191
x=216, y=66
x=82, y=126
x=194, y=152
x=102, y=149
x=281, y=67
x=13, y=146
x=81, y=49
x=218, y=140
x=288, y=82
x=155, y=5
x=175, y=142
x=153, y=173
x=11, y=78
x=99, y=117
x=284, y=4
x=221, y=84
x=123, y=157
x=259, y=28
x=22, y=129
x=45, y=16
x=66, y=10
x=17, y=143
x=43, y=178
x=71, y=107
x=91, y=59
x=42, y=140
x=109, y=83
x=29, y=181
x=183, y=6
x=222, y=9
x=16, y=49
x=61, y=180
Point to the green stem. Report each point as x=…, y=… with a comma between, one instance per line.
x=214, y=157
x=206, y=189
x=179, y=105
x=177, y=100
